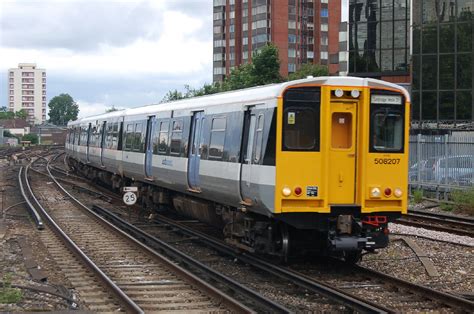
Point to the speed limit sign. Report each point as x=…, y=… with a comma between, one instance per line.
x=129, y=198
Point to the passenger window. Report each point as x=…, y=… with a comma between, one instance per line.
x=301, y=119
x=160, y=146
x=137, y=141
x=115, y=133
x=176, y=136
x=129, y=137
x=258, y=139
x=216, y=145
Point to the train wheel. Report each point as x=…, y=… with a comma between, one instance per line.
x=283, y=243
x=352, y=257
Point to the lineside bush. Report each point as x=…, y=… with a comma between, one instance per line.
x=464, y=200
x=7, y=293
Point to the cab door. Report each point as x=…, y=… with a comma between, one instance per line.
x=342, y=153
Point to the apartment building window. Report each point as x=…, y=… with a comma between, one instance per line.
x=44, y=80
x=44, y=92
x=324, y=12
x=291, y=67
x=27, y=80
x=11, y=73
x=43, y=104
x=44, y=74
x=231, y=42
x=324, y=27
x=218, y=3
x=27, y=74
x=219, y=70
x=291, y=53
x=217, y=57
x=11, y=80
x=291, y=24
x=11, y=98
x=44, y=98
x=324, y=55
x=44, y=86
x=11, y=104
x=11, y=86
x=11, y=92
x=310, y=54
x=324, y=40
x=245, y=41
x=291, y=39
x=245, y=55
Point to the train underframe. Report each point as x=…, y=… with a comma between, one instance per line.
x=342, y=233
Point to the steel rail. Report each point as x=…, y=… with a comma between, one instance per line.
x=34, y=213
x=129, y=304
x=463, y=226
x=226, y=300
x=185, y=259
x=462, y=304
x=334, y=294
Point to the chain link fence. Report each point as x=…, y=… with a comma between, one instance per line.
x=441, y=163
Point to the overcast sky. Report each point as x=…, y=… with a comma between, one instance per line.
x=104, y=53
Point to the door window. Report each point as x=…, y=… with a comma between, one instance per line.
x=341, y=133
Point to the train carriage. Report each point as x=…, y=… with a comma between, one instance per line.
x=318, y=164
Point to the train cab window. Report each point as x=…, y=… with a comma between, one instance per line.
x=176, y=136
x=301, y=119
x=387, y=123
x=160, y=145
x=108, y=136
x=216, y=144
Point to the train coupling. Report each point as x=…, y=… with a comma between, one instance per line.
x=348, y=243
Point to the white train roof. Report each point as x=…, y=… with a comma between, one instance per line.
x=260, y=94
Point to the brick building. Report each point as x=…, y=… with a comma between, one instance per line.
x=305, y=31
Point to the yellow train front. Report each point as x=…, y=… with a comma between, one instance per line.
x=345, y=177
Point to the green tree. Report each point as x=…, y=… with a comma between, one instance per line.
x=266, y=66
x=112, y=109
x=6, y=133
x=21, y=114
x=5, y=114
x=308, y=69
x=62, y=109
x=172, y=95
x=33, y=138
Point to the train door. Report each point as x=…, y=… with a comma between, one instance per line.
x=149, y=146
x=87, y=142
x=194, y=157
x=253, y=128
x=342, y=152
x=102, y=143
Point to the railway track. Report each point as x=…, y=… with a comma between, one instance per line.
x=440, y=222
x=112, y=271
x=387, y=294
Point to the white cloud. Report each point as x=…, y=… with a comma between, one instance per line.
x=89, y=109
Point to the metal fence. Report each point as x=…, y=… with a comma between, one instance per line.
x=442, y=162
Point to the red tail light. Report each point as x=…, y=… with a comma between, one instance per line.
x=387, y=191
x=375, y=220
x=298, y=190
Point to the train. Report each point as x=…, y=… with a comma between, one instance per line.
x=312, y=165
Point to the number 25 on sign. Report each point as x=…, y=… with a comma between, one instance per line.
x=129, y=198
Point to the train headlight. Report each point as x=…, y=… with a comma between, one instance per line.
x=339, y=92
x=355, y=93
x=286, y=191
x=398, y=192
x=375, y=193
